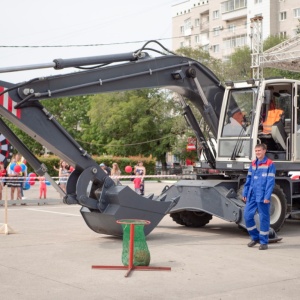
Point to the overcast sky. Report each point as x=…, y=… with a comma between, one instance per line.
x=117, y=24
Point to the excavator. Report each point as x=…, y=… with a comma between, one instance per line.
x=235, y=113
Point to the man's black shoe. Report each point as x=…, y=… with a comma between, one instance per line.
x=263, y=247
x=252, y=243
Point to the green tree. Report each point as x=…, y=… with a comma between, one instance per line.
x=71, y=113
x=298, y=27
x=28, y=141
x=203, y=56
x=133, y=123
x=237, y=67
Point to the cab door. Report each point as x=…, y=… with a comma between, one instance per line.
x=297, y=127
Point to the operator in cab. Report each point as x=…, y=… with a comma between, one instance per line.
x=235, y=124
x=257, y=195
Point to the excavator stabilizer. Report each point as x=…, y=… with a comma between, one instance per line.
x=215, y=197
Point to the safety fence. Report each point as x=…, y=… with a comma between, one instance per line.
x=31, y=185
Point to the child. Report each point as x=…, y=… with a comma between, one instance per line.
x=2, y=177
x=43, y=187
x=137, y=182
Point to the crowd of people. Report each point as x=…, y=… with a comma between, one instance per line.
x=17, y=178
x=139, y=172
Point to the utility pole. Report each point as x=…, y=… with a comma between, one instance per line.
x=256, y=47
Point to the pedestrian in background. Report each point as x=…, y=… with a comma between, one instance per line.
x=105, y=168
x=142, y=172
x=2, y=178
x=115, y=173
x=14, y=179
x=257, y=195
x=43, y=187
x=137, y=181
x=24, y=174
x=63, y=175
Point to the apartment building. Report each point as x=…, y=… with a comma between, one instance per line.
x=221, y=26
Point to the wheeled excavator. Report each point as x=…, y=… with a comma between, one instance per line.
x=234, y=111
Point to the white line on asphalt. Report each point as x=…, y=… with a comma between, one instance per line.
x=52, y=212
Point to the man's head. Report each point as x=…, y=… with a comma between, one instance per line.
x=102, y=165
x=239, y=116
x=260, y=151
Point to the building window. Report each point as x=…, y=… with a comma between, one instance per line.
x=231, y=28
x=205, y=48
x=216, y=14
x=237, y=41
x=257, y=1
x=297, y=12
x=182, y=29
x=231, y=5
x=282, y=16
x=282, y=34
x=215, y=48
x=181, y=44
x=216, y=31
x=197, y=22
x=197, y=39
x=187, y=24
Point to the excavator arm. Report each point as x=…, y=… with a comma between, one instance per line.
x=102, y=202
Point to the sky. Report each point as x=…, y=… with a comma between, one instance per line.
x=119, y=26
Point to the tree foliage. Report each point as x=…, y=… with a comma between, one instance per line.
x=198, y=54
x=133, y=123
x=238, y=65
x=298, y=27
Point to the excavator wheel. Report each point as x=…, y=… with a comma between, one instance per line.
x=278, y=208
x=177, y=218
x=195, y=218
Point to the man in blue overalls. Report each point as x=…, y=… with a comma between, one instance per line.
x=257, y=195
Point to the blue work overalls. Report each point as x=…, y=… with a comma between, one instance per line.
x=259, y=186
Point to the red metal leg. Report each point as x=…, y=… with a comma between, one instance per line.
x=131, y=250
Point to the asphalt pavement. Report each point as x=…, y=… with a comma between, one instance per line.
x=51, y=254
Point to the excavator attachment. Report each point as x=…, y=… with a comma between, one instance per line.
x=124, y=203
x=103, y=202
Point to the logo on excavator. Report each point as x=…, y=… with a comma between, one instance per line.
x=9, y=104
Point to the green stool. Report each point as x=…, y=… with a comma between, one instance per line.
x=135, y=249
x=135, y=254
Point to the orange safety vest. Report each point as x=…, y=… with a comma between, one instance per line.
x=273, y=116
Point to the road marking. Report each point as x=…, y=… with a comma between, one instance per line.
x=52, y=212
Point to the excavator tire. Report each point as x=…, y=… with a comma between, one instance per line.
x=177, y=218
x=195, y=218
x=278, y=208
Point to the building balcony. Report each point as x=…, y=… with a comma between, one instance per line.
x=187, y=31
x=204, y=26
x=235, y=14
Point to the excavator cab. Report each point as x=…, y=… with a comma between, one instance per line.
x=265, y=111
